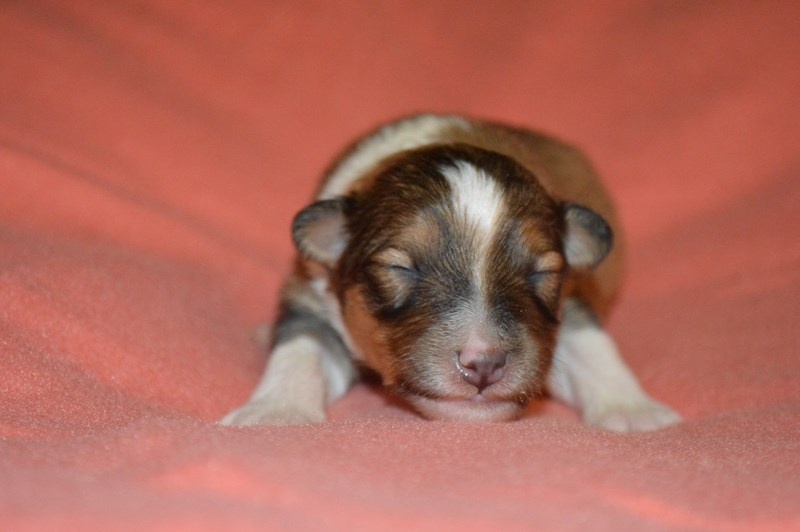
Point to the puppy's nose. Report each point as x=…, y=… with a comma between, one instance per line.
x=481, y=366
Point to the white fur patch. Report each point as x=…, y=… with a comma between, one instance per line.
x=478, y=200
x=589, y=373
x=405, y=135
x=301, y=377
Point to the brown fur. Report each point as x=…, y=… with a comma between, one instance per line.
x=564, y=172
x=450, y=255
x=406, y=207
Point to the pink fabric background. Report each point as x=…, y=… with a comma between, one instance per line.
x=152, y=156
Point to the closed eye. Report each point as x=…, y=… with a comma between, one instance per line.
x=395, y=259
x=392, y=277
x=545, y=272
x=546, y=292
x=547, y=280
x=409, y=272
x=400, y=267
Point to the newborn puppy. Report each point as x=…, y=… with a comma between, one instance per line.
x=470, y=265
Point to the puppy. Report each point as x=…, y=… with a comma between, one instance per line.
x=470, y=265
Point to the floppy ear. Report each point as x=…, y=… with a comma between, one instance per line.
x=587, y=238
x=320, y=231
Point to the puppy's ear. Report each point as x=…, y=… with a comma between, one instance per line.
x=587, y=238
x=320, y=231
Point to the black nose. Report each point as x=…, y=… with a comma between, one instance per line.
x=481, y=369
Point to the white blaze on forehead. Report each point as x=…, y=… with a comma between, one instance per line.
x=476, y=196
x=478, y=201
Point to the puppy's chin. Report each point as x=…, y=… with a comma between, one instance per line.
x=476, y=410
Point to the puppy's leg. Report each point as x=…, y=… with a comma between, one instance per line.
x=309, y=367
x=589, y=374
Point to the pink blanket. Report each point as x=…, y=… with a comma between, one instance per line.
x=151, y=159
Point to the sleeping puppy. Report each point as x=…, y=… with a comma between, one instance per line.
x=470, y=265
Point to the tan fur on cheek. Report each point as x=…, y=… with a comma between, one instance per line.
x=368, y=334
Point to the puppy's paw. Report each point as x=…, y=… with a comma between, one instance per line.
x=642, y=414
x=267, y=411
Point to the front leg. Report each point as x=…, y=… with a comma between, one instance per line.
x=589, y=374
x=309, y=367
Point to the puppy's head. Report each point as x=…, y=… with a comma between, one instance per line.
x=448, y=263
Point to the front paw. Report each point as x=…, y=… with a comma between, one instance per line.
x=638, y=415
x=268, y=411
